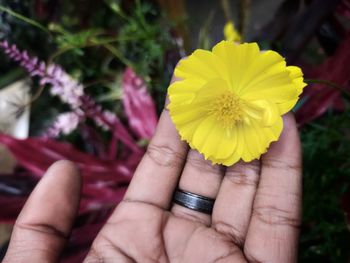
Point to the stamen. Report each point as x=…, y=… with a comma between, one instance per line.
x=227, y=109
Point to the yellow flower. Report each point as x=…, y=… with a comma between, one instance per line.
x=229, y=101
x=230, y=32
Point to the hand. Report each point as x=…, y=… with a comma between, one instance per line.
x=256, y=214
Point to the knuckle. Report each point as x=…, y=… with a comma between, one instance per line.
x=244, y=174
x=273, y=215
x=233, y=233
x=164, y=155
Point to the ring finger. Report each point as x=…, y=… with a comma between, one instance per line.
x=199, y=177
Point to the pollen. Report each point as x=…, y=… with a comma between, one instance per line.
x=227, y=109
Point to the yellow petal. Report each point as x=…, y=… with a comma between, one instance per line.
x=296, y=76
x=263, y=111
x=201, y=134
x=211, y=90
x=200, y=65
x=187, y=130
x=237, y=58
x=270, y=112
x=186, y=86
x=263, y=65
x=237, y=152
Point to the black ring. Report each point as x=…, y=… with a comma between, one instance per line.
x=194, y=202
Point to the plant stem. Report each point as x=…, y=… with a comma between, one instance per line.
x=119, y=55
x=330, y=84
x=244, y=17
x=23, y=18
x=226, y=7
x=92, y=43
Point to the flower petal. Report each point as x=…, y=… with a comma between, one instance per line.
x=277, y=88
x=263, y=111
x=264, y=64
x=211, y=90
x=202, y=65
x=212, y=141
x=237, y=151
x=237, y=59
x=183, y=91
x=296, y=76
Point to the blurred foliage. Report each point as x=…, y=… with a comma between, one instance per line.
x=95, y=46
x=326, y=177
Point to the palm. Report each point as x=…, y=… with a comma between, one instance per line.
x=147, y=233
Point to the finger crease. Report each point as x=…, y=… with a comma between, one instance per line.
x=278, y=164
x=128, y=200
x=203, y=166
x=250, y=179
x=232, y=252
x=272, y=215
x=232, y=232
x=164, y=155
x=44, y=229
x=189, y=216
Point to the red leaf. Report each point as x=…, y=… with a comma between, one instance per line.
x=105, y=181
x=98, y=197
x=37, y=154
x=320, y=97
x=139, y=105
x=344, y=8
x=345, y=203
x=80, y=242
x=10, y=207
x=317, y=104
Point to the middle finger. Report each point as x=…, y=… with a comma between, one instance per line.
x=233, y=206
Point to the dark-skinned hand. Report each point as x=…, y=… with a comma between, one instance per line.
x=256, y=214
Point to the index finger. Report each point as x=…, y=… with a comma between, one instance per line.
x=157, y=175
x=274, y=227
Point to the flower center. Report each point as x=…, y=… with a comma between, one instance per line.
x=227, y=109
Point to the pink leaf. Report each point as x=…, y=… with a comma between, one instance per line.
x=139, y=105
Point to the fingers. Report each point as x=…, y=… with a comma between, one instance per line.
x=273, y=231
x=200, y=177
x=233, y=206
x=158, y=173
x=45, y=222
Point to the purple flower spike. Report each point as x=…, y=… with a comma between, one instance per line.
x=69, y=91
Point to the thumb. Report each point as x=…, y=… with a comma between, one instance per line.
x=43, y=227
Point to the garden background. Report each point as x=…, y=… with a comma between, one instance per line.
x=85, y=80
